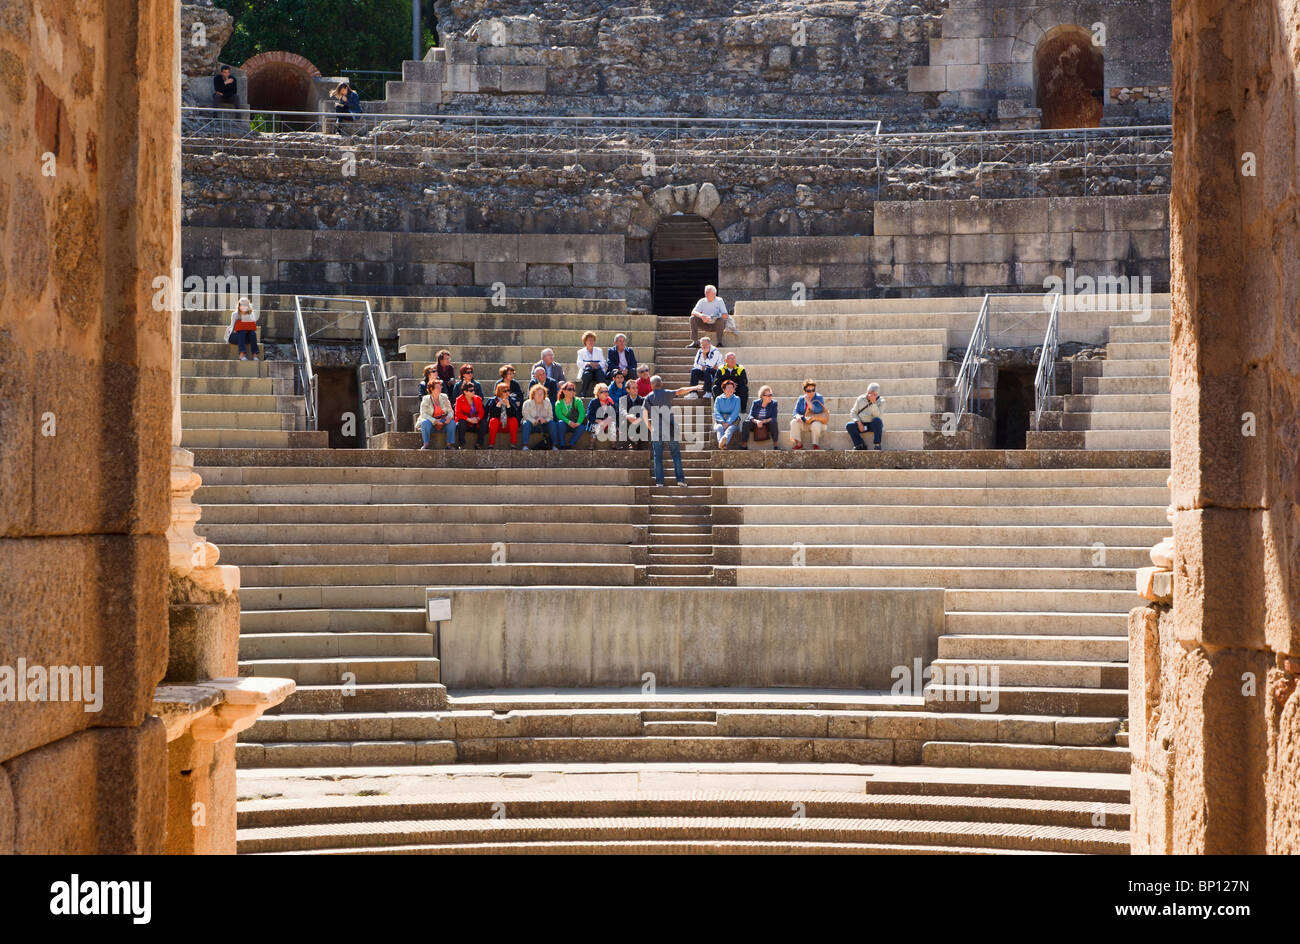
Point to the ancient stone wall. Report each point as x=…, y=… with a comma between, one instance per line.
x=1215, y=714
x=937, y=247
x=85, y=416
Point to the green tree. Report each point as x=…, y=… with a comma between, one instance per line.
x=335, y=35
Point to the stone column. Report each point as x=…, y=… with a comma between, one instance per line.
x=1217, y=682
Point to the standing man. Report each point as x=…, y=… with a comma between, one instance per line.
x=705, y=369
x=620, y=357
x=659, y=417
x=868, y=413
x=711, y=313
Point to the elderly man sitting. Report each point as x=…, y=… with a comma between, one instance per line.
x=868, y=413
x=711, y=313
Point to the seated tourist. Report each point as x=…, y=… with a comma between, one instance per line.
x=552, y=367
x=592, y=366
x=471, y=416
x=705, y=369
x=466, y=378
x=730, y=370
x=726, y=414
x=618, y=388
x=602, y=416
x=429, y=371
x=243, y=328
x=710, y=313
x=445, y=371
x=436, y=415
x=539, y=378
x=347, y=105
x=539, y=416
x=507, y=375
x=570, y=416
x=638, y=428
x=868, y=413
x=810, y=416
x=503, y=412
x=225, y=90
x=643, y=385
x=762, y=422
x=620, y=356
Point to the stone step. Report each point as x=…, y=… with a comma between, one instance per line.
x=565, y=341
x=1145, y=367
x=250, y=555
x=1033, y=647
x=941, y=536
x=581, y=831
x=760, y=352
x=1098, y=479
x=1137, y=350
x=415, y=513
x=250, y=385
x=680, y=580
x=308, y=493
x=1046, y=623
x=418, y=475
x=1127, y=420
x=345, y=670
x=309, y=645
x=424, y=696
x=337, y=620
x=1128, y=386
x=253, y=439
x=776, y=493
x=1025, y=699
x=197, y=403
x=1118, y=403
x=1053, y=671
x=481, y=573
x=1026, y=756
x=1127, y=438
x=1055, y=579
x=1139, y=332
x=244, y=420
x=816, y=554
x=970, y=515
x=1058, y=600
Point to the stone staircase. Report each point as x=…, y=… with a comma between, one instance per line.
x=1128, y=405
x=229, y=403
x=892, y=817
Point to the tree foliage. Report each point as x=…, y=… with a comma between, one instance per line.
x=335, y=35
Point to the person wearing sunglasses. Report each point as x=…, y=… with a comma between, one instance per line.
x=810, y=416
x=466, y=377
x=570, y=415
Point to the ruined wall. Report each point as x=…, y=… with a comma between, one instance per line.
x=826, y=58
x=1215, y=711
x=985, y=57
x=85, y=414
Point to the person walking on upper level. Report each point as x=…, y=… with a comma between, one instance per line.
x=539, y=415
x=710, y=313
x=620, y=357
x=435, y=415
x=810, y=416
x=868, y=413
x=592, y=366
x=705, y=369
x=243, y=328
x=552, y=367
x=225, y=90
x=726, y=414
x=762, y=422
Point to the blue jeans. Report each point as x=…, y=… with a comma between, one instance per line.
x=657, y=450
x=550, y=429
x=245, y=339
x=877, y=428
x=427, y=429
x=569, y=436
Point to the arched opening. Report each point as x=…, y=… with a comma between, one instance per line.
x=280, y=81
x=683, y=259
x=1069, y=79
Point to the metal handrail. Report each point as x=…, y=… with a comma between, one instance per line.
x=304, y=374
x=373, y=359
x=966, y=386
x=1045, y=378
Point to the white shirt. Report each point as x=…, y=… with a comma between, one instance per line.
x=594, y=356
x=710, y=361
x=710, y=311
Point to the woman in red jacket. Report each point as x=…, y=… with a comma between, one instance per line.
x=470, y=417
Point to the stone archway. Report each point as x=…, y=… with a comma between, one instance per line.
x=280, y=81
x=683, y=259
x=1069, y=80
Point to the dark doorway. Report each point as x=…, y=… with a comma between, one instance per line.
x=683, y=259
x=338, y=405
x=1069, y=79
x=1013, y=406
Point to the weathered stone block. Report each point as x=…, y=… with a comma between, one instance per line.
x=511, y=273
x=985, y=247
x=546, y=274
x=947, y=52
x=927, y=78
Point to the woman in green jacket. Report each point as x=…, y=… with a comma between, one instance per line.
x=571, y=416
